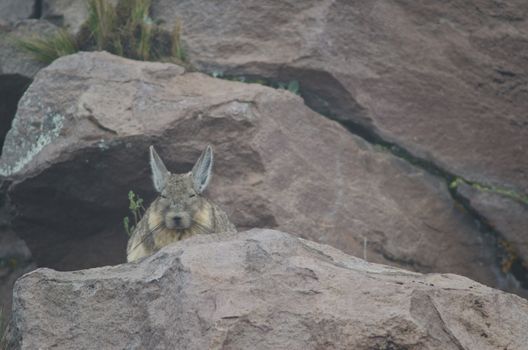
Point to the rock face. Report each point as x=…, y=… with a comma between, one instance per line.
x=14, y=10
x=260, y=289
x=70, y=14
x=444, y=80
x=12, y=59
x=15, y=260
x=504, y=214
x=16, y=67
x=80, y=140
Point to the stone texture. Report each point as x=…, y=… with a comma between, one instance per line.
x=13, y=60
x=14, y=10
x=445, y=80
x=17, y=68
x=260, y=289
x=70, y=14
x=80, y=139
x=15, y=260
x=503, y=214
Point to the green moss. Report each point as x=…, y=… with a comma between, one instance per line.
x=492, y=189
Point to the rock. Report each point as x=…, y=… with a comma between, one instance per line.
x=15, y=260
x=445, y=81
x=505, y=215
x=260, y=289
x=14, y=10
x=441, y=80
x=79, y=145
x=17, y=68
x=70, y=14
x=65, y=13
x=13, y=60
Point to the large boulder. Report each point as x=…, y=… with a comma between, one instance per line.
x=17, y=67
x=443, y=80
x=260, y=289
x=79, y=144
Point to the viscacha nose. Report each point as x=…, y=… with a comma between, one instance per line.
x=177, y=220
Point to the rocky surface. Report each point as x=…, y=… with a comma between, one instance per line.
x=444, y=80
x=15, y=260
x=80, y=141
x=16, y=67
x=13, y=60
x=260, y=289
x=503, y=214
x=14, y=10
x=70, y=14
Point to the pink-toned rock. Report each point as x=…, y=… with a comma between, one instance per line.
x=443, y=80
x=79, y=144
x=504, y=214
x=260, y=289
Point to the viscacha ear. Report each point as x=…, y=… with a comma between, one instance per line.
x=159, y=171
x=201, y=172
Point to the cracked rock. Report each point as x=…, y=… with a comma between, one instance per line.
x=301, y=296
x=79, y=145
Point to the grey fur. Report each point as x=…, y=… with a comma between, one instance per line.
x=159, y=171
x=180, y=211
x=201, y=172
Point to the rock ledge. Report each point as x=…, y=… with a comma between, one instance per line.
x=260, y=289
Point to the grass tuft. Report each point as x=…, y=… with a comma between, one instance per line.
x=178, y=51
x=47, y=50
x=126, y=30
x=101, y=23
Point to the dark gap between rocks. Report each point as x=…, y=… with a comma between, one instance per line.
x=518, y=268
x=12, y=87
x=37, y=9
x=320, y=104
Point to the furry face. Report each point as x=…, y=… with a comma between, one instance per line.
x=180, y=211
x=180, y=199
x=179, y=202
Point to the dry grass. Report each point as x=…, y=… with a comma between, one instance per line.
x=126, y=30
x=47, y=50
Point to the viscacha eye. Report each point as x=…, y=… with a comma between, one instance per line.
x=192, y=195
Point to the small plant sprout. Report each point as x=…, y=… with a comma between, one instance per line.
x=136, y=208
x=293, y=87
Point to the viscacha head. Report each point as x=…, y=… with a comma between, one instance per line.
x=180, y=194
